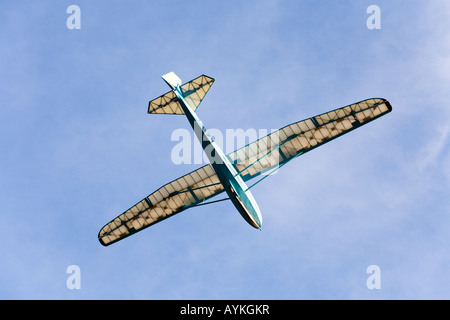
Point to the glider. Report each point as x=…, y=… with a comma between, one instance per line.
x=229, y=173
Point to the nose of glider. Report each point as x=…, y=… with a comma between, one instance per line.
x=256, y=213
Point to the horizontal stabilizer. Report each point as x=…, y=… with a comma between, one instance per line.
x=165, y=104
x=193, y=91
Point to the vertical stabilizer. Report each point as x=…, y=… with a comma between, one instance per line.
x=172, y=80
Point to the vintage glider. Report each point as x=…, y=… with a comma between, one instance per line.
x=228, y=173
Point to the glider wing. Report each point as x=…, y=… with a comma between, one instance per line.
x=176, y=196
x=283, y=145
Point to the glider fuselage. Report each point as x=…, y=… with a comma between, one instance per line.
x=232, y=182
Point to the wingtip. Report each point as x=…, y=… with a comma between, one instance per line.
x=388, y=104
x=100, y=239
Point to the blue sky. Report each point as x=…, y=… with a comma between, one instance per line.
x=78, y=149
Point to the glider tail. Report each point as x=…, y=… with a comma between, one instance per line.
x=193, y=92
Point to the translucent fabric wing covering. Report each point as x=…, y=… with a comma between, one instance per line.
x=165, y=104
x=193, y=91
x=167, y=201
x=285, y=144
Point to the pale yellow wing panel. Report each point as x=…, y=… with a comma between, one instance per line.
x=165, y=104
x=168, y=200
x=293, y=140
x=195, y=90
